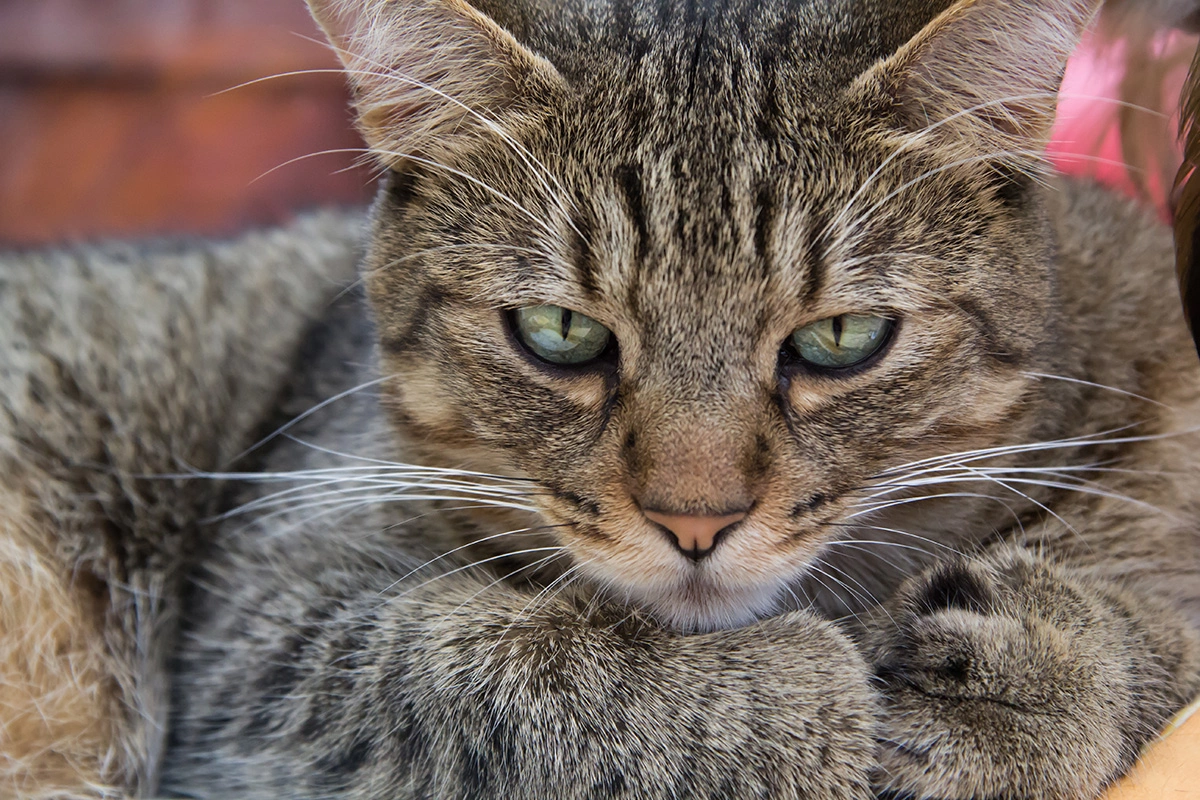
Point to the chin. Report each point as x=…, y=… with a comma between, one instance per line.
x=696, y=602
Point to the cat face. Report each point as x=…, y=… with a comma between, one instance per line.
x=786, y=267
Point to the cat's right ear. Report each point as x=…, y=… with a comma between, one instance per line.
x=984, y=74
x=425, y=73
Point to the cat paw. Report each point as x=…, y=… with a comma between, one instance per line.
x=1000, y=679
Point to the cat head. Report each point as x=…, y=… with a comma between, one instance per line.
x=702, y=270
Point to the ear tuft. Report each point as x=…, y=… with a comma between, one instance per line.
x=426, y=73
x=986, y=73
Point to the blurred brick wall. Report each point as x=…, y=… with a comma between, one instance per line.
x=114, y=119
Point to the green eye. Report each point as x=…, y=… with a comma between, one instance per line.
x=842, y=341
x=560, y=335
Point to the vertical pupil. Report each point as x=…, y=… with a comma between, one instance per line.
x=565, y=322
x=837, y=331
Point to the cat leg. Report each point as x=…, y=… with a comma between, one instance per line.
x=1008, y=676
x=471, y=689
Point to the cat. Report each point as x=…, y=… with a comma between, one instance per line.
x=787, y=429
x=716, y=316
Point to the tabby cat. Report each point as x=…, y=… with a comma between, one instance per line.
x=786, y=427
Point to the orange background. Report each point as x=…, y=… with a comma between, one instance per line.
x=110, y=121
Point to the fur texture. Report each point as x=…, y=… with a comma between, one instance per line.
x=59, y=708
x=120, y=366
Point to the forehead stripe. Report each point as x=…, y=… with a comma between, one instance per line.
x=629, y=181
x=814, y=255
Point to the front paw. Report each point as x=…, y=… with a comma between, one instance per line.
x=1002, y=679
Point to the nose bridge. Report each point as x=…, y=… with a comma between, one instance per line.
x=691, y=458
x=694, y=409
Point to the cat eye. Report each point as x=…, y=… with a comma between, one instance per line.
x=560, y=335
x=840, y=342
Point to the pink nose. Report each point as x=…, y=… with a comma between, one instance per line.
x=696, y=535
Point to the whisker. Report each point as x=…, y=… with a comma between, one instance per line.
x=862, y=600
x=941, y=495
x=861, y=526
x=485, y=246
x=869, y=594
x=278, y=75
x=862, y=546
x=1089, y=159
x=297, y=498
x=815, y=573
x=372, y=485
x=1082, y=440
x=306, y=156
x=487, y=187
x=800, y=606
x=924, y=176
x=1063, y=473
x=1154, y=112
x=296, y=420
x=382, y=473
x=1115, y=390
x=972, y=476
x=399, y=466
x=472, y=543
x=502, y=579
x=472, y=565
x=533, y=605
x=539, y=169
x=351, y=504
x=1005, y=484
x=917, y=138
x=932, y=475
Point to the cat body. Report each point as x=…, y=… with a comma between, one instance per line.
x=340, y=651
x=703, y=181
x=961, y=563
x=122, y=364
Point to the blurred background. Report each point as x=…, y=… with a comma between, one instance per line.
x=111, y=123
x=120, y=118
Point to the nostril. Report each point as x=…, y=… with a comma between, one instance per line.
x=695, y=536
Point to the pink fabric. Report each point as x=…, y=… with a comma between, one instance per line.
x=1086, y=139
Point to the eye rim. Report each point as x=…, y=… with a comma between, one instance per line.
x=605, y=362
x=790, y=360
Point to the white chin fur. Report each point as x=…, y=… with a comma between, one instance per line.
x=699, y=604
x=734, y=612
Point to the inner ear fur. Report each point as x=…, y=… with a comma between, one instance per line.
x=984, y=74
x=425, y=73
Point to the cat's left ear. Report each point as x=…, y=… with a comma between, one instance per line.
x=428, y=74
x=984, y=74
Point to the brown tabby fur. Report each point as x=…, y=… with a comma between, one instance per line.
x=703, y=179
x=120, y=363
